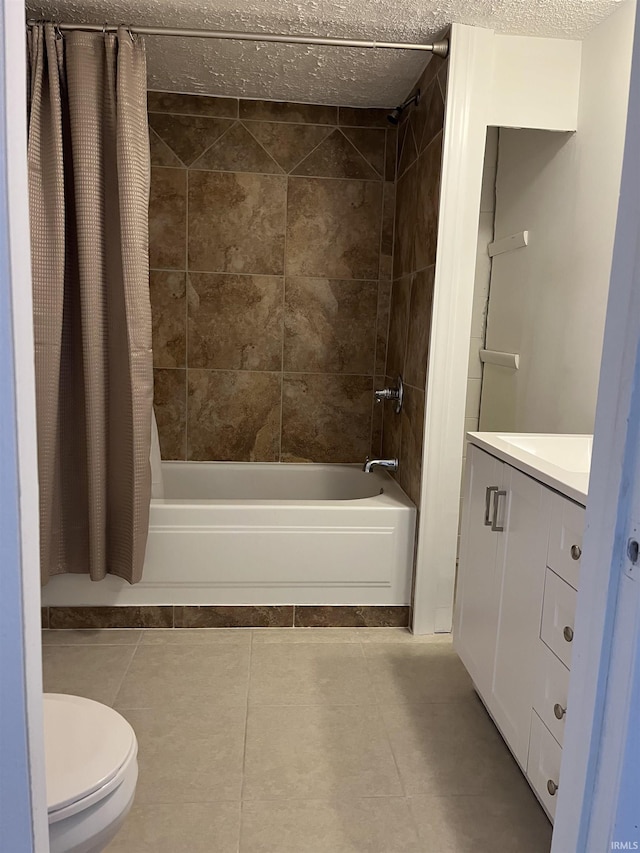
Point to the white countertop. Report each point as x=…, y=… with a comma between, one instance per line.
x=561, y=462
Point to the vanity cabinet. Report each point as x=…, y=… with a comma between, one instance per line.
x=515, y=605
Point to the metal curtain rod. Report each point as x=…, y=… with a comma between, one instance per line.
x=440, y=48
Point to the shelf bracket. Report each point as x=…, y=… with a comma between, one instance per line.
x=508, y=244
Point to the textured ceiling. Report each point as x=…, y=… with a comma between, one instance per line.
x=314, y=74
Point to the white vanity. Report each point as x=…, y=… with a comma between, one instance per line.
x=522, y=524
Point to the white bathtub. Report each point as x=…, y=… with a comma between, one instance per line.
x=244, y=533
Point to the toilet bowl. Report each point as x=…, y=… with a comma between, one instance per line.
x=91, y=770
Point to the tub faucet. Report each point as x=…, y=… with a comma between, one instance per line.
x=370, y=464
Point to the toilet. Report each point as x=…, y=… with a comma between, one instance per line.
x=91, y=770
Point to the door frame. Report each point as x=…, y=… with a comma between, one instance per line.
x=600, y=775
x=24, y=822
x=467, y=106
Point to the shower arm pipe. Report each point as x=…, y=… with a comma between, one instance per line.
x=440, y=48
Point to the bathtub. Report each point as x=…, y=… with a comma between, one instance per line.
x=266, y=533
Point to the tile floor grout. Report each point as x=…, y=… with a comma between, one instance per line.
x=316, y=776
x=126, y=672
x=246, y=721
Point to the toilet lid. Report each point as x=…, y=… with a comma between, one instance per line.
x=86, y=744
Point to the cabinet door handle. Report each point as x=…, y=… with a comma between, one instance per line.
x=576, y=552
x=487, y=504
x=568, y=633
x=552, y=787
x=500, y=493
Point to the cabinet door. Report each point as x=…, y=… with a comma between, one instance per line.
x=558, y=617
x=474, y=632
x=565, y=539
x=543, y=765
x=524, y=515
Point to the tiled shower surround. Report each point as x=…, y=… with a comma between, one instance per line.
x=271, y=236
x=273, y=250
x=414, y=257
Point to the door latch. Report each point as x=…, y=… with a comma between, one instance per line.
x=633, y=553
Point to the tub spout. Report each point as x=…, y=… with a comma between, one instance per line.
x=370, y=464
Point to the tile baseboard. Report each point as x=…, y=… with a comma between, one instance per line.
x=213, y=616
x=248, y=616
x=312, y=616
x=111, y=617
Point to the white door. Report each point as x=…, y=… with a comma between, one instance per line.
x=474, y=633
x=523, y=513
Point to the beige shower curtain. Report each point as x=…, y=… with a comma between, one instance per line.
x=89, y=191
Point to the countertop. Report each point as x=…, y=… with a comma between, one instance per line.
x=561, y=462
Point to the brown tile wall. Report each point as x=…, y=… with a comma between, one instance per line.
x=414, y=254
x=271, y=239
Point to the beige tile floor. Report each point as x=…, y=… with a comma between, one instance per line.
x=302, y=741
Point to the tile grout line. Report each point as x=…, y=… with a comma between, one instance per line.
x=240, y=810
x=246, y=726
x=393, y=232
x=186, y=329
x=279, y=175
x=330, y=129
x=378, y=706
x=363, y=155
x=415, y=160
x=192, y=165
x=282, y=174
x=270, y=156
x=268, y=120
x=376, y=340
x=284, y=311
x=370, y=280
x=291, y=372
x=393, y=246
x=169, y=149
x=337, y=798
x=414, y=823
x=126, y=672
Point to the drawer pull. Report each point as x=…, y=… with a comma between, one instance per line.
x=487, y=504
x=552, y=787
x=568, y=633
x=494, y=523
x=576, y=552
x=559, y=711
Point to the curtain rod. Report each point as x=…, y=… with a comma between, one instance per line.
x=439, y=48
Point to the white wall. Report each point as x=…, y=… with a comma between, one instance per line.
x=548, y=300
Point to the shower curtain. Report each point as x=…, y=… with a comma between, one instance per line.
x=88, y=155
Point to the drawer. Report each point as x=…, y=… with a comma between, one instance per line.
x=565, y=539
x=543, y=765
x=558, y=614
x=551, y=691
